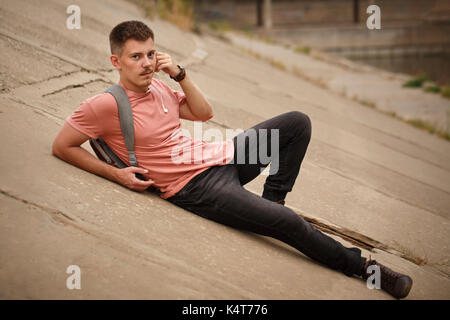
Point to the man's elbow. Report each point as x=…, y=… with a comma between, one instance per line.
x=56, y=150
x=208, y=116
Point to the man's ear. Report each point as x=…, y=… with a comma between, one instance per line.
x=115, y=61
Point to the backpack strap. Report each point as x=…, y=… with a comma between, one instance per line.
x=126, y=119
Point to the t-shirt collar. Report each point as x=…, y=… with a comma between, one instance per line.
x=133, y=94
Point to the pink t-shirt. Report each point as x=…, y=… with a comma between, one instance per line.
x=171, y=157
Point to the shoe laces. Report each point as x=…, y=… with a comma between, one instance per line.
x=388, y=276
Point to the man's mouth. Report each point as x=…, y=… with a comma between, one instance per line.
x=146, y=73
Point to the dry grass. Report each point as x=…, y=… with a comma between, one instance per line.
x=178, y=12
x=303, y=50
x=428, y=127
x=275, y=63
x=409, y=255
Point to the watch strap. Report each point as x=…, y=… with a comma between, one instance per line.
x=181, y=75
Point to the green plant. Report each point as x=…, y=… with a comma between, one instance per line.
x=433, y=89
x=416, y=82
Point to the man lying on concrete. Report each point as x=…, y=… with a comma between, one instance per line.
x=213, y=187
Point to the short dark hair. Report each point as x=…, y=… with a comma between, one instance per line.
x=136, y=30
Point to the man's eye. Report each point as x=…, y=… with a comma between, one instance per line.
x=135, y=57
x=151, y=54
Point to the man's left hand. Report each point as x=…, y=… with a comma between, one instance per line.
x=164, y=62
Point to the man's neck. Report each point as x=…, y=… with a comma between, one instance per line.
x=133, y=88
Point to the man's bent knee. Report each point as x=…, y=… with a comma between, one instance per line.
x=300, y=121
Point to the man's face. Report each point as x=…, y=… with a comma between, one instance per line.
x=136, y=65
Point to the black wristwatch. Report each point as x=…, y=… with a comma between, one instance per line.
x=180, y=76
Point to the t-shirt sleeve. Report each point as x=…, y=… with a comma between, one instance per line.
x=180, y=96
x=86, y=118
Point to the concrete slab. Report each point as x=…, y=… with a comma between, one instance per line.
x=16, y=70
x=364, y=171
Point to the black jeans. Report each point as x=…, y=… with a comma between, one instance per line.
x=218, y=193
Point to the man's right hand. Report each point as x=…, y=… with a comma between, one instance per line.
x=67, y=146
x=127, y=178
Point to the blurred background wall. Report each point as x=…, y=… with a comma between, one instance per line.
x=414, y=37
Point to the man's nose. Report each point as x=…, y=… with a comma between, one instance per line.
x=147, y=61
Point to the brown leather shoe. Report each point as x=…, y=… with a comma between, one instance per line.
x=396, y=284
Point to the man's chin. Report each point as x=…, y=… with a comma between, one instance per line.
x=139, y=85
x=146, y=82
